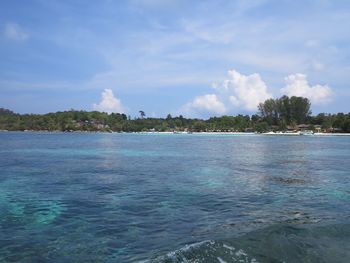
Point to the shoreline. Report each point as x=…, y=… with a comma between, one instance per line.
x=186, y=133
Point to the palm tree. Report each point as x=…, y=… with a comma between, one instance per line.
x=142, y=113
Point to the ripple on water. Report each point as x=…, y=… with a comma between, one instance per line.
x=47, y=211
x=124, y=198
x=277, y=243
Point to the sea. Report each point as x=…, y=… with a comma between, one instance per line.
x=121, y=197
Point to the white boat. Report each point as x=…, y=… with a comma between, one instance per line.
x=182, y=132
x=282, y=133
x=291, y=133
x=269, y=133
x=306, y=132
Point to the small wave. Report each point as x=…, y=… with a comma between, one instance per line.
x=278, y=243
x=221, y=260
x=207, y=251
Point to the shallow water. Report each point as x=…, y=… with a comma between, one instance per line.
x=77, y=197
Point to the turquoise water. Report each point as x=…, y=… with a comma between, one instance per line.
x=78, y=197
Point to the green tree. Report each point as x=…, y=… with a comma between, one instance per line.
x=268, y=110
x=142, y=114
x=262, y=127
x=300, y=109
x=283, y=111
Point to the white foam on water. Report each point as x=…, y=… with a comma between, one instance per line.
x=211, y=248
x=241, y=253
x=221, y=260
x=228, y=247
x=188, y=247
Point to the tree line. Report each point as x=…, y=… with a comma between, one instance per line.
x=274, y=114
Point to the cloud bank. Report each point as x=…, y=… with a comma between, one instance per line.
x=109, y=103
x=237, y=91
x=204, y=104
x=245, y=92
x=297, y=85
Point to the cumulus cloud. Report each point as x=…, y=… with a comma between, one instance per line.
x=245, y=91
x=297, y=85
x=238, y=91
x=208, y=103
x=14, y=32
x=109, y=103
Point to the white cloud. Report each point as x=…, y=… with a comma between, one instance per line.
x=14, y=32
x=245, y=91
x=109, y=103
x=297, y=85
x=208, y=103
x=238, y=91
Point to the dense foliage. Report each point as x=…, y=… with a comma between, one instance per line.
x=285, y=111
x=274, y=114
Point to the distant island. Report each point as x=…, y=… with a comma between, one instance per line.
x=282, y=114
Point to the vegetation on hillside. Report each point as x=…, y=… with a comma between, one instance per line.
x=285, y=113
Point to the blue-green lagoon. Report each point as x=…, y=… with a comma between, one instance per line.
x=95, y=197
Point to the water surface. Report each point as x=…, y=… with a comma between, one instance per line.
x=78, y=197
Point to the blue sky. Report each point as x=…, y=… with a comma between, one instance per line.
x=196, y=58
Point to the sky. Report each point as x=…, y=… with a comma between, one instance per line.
x=195, y=58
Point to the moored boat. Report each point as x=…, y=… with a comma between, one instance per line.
x=307, y=132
